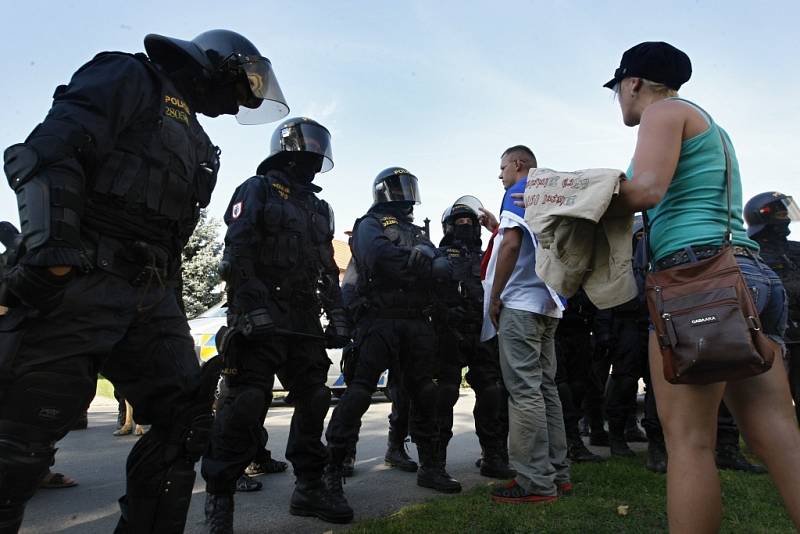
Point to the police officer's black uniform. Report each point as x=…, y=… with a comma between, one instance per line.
x=574, y=349
x=768, y=216
x=111, y=184
x=458, y=324
x=396, y=264
x=279, y=265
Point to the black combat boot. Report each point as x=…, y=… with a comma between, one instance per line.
x=322, y=498
x=598, y=435
x=577, y=452
x=349, y=464
x=616, y=440
x=219, y=513
x=432, y=473
x=494, y=463
x=397, y=456
x=731, y=457
x=656, y=457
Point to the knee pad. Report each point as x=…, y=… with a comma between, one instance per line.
x=315, y=400
x=244, y=404
x=48, y=401
x=448, y=394
x=427, y=392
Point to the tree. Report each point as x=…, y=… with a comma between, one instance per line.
x=201, y=258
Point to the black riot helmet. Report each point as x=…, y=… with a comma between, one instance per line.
x=302, y=143
x=465, y=206
x=235, y=77
x=771, y=209
x=395, y=184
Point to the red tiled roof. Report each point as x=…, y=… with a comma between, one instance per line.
x=341, y=253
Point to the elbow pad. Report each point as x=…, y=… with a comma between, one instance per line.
x=50, y=203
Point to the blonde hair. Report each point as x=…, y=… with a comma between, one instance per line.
x=656, y=87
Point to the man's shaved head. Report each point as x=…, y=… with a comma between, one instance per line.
x=515, y=164
x=521, y=152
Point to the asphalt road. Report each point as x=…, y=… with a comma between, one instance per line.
x=96, y=459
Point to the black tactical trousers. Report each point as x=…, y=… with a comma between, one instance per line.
x=793, y=356
x=484, y=377
x=401, y=406
x=627, y=358
x=407, y=345
x=238, y=433
x=573, y=374
x=138, y=338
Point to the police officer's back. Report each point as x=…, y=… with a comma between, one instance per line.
x=109, y=189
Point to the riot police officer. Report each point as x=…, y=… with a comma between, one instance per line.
x=458, y=326
x=109, y=189
x=768, y=216
x=278, y=263
x=397, y=267
x=574, y=349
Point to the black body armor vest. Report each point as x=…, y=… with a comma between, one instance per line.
x=161, y=172
x=297, y=229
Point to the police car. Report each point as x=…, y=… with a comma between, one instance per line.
x=204, y=328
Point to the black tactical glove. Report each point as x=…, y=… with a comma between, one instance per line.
x=441, y=268
x=419, y=260
x=250, y=294
x=37, y=287
x=256, y=323
x=338, y=333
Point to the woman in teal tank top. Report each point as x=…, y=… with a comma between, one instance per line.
x=694, y=211
x=678, y=176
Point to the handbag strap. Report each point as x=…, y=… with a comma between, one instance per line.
x=727, y=239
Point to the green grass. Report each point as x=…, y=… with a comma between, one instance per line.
x=751, y=505
x=104, y=388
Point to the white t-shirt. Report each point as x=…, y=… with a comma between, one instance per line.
x=524, y=290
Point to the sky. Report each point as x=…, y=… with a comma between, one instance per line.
x=440, y=88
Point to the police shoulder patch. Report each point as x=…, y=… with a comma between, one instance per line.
x=236, y=210
x=388, y=221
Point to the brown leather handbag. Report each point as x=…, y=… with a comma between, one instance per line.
x=706, y=322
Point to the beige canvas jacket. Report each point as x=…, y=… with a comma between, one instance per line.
x=578, y=245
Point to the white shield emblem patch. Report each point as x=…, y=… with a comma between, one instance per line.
x=236, y=210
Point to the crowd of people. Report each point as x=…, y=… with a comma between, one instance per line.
x=109, y=189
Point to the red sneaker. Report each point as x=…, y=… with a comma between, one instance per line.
x=513, y=493
x=564, y=488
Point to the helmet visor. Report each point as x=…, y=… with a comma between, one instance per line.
x=398, y=188
x=268, y=104
x=307, y=137
x=467, y=204
x=792, y=211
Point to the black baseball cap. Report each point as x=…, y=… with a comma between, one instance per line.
x=656, y=61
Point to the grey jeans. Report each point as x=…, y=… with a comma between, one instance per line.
x=537, y=444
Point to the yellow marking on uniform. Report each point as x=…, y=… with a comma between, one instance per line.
x=283, y=190
x=177, y=102
x=388, y=221
x=177, y=114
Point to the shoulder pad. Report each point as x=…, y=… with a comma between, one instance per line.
x=326, y=210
